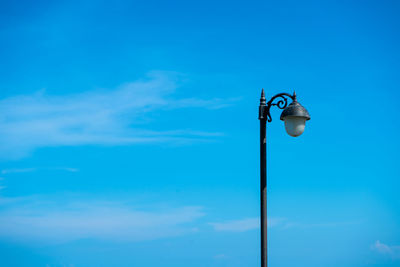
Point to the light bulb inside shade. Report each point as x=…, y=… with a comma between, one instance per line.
x=295, y=125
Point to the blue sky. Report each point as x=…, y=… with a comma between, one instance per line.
x=129, y=133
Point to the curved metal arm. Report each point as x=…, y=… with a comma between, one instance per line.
x=264, y=113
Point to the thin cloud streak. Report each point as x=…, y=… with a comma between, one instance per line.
x=384, y=249
x=317, y=225
x=67, y=169
x=41, y=220
x=99, y=117
x=243, y=225
x=23, y=170
x=247, y=224
x=28, y=170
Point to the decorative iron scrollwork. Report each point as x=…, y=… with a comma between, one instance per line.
x=281, y=103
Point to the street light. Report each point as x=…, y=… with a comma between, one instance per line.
x=295, y=117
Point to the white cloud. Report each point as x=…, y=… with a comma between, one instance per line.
x=247, y=224
x=99, y=117
x=41, y=220
x=7, y=171
x=220, y=256
x=317, y=225
x=391, y=251
x=67, y=169
x=26, y=170
x=243, y=225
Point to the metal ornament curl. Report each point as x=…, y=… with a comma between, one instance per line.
x=282, y=103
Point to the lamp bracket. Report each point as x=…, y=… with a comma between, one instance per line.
x=281, y=103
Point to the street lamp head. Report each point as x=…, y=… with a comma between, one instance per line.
x=295, y=117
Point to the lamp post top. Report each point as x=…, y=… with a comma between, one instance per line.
x=262, y=99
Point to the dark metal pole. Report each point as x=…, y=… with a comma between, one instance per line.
x=263, y=180
x=294, y=109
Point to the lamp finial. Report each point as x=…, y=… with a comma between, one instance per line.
x=262, y=99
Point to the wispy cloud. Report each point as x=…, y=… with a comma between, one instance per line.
x=322, y=224
x=391, y=251
x=220, y=256
x=67, y=169
x=247, y=224
x=40, y=220
x=27, y=170
x=22, y=170
x=105, y=117
x=243, y=225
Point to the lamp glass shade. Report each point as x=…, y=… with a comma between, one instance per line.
x=295, y=125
